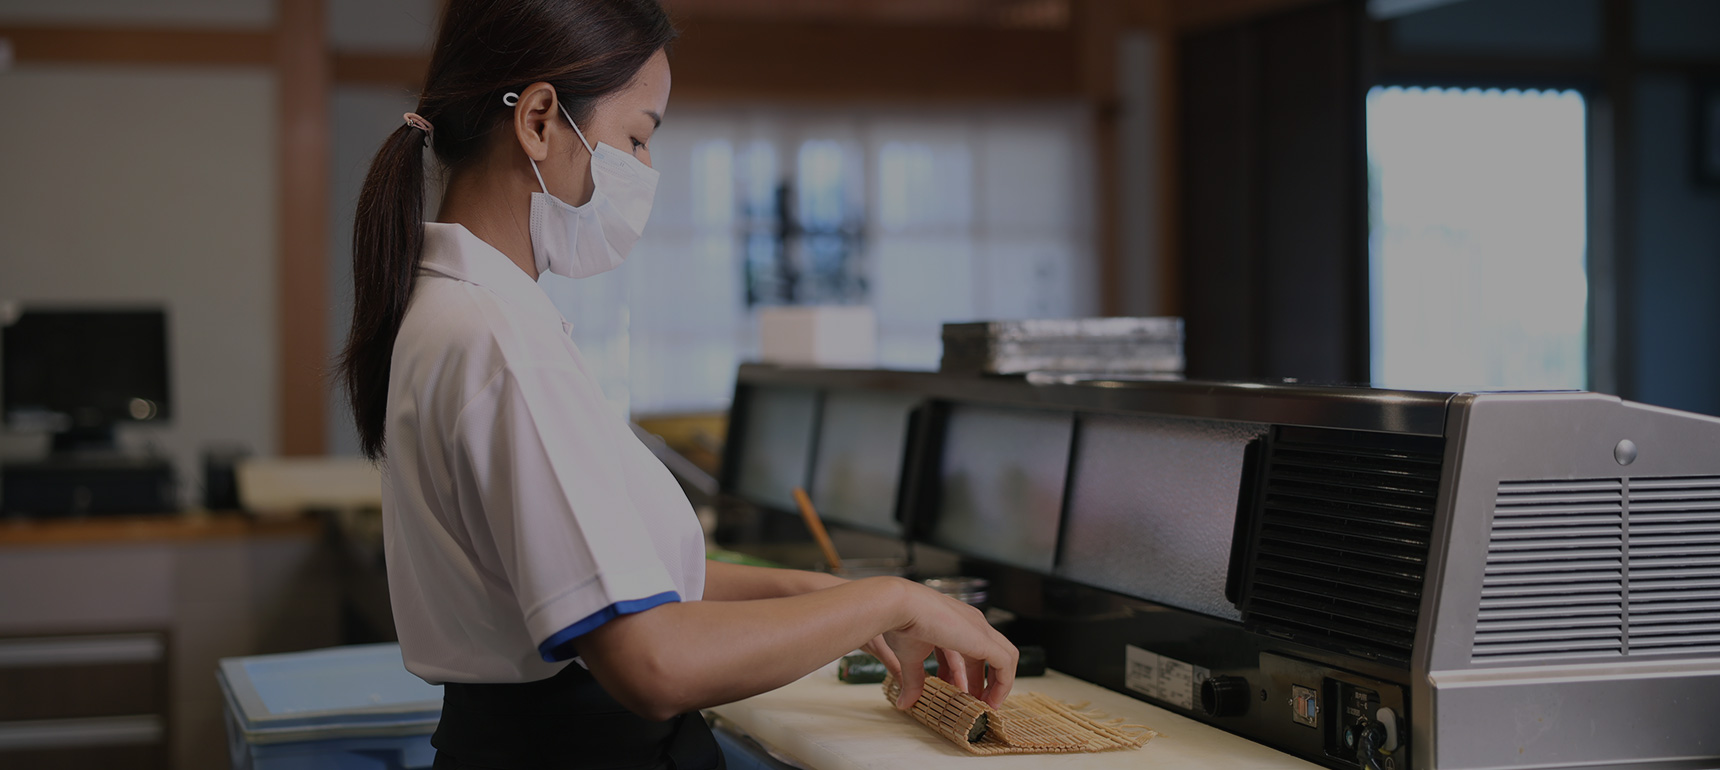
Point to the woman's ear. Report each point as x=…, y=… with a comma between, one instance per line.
x=535, y=110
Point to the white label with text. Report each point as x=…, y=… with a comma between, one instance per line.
x=1161, y=678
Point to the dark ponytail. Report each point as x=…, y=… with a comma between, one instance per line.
x=586, y=49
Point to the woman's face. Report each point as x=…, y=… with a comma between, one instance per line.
x=625, y=120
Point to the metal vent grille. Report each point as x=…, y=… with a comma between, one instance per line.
x=1342, y=537
x=1674, y=561
x=1602, y=568
x=1554, y=583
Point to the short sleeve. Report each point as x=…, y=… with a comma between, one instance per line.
x=539, y=455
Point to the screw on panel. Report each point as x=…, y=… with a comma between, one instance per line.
x=1625, y=452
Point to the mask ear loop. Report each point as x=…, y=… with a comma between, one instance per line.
x=581, y=134
x=510, y=99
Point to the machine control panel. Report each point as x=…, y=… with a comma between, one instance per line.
x=1352, y=720
x=1339, y=718
x=1365, y=730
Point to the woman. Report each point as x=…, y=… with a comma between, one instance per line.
x=542, y=564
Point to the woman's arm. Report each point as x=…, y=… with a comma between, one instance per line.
x=684, y=656
x=725, y=582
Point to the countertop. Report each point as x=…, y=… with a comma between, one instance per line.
x=825, y=724
x=166, y=527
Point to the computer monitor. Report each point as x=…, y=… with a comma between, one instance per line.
x=79, y=372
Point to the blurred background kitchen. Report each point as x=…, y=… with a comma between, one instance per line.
x=1439, y=194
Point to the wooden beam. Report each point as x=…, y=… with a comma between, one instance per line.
x=387, y=69
x=303, y=84
x=1148, y=14
x=140, y=45
x=1170, y=170
x=817, y=61
x=823, y=61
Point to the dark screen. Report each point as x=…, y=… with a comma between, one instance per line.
x=88, y=367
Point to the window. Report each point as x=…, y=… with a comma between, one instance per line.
x=926, y=217
x=1478, y=239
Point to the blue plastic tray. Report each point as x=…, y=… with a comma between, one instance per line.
x=351, y=708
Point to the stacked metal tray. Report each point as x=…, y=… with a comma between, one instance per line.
x=1148, y=346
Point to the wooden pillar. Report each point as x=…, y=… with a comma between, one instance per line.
x=303, y=76
x=1165, y=47
x=1096, y=24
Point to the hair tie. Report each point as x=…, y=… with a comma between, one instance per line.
x=417, y=121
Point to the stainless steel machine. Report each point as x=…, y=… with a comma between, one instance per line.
x=1363, y=578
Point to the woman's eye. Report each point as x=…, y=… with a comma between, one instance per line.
x=637, y=144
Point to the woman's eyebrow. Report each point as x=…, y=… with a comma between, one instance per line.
x=656, y=120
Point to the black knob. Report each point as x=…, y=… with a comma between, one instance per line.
x=1224, y=696
x=1368, y=737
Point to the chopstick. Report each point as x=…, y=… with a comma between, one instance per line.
x=816, y=525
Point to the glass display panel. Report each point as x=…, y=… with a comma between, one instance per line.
x=861, y=441
x=1152, y=505
x=1002, y=484
x=775, y=444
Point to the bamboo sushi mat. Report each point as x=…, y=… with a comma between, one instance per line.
x=1027, y=723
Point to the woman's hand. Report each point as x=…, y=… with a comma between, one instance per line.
x=962, y=640
x=879, y=648
x=683, y=656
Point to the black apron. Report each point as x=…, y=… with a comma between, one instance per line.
x=566, y=721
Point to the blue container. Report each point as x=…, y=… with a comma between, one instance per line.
x=347, y=708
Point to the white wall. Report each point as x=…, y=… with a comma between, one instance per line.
x=152, y=186
x=361, y=118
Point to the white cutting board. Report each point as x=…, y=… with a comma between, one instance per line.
x=825, y=724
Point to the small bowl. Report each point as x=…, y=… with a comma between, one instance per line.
x=971, y=590
x=854, y=569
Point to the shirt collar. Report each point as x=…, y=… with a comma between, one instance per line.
x=453, y=251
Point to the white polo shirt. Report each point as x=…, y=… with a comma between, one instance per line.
x=519, y=510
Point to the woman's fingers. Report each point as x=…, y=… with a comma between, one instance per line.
x=1002, y=677
x=913, y=681
x=952, y=668
x=880, y=649
x=913, y=678
x=976, y=670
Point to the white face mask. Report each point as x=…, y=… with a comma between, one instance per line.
x=582, y=241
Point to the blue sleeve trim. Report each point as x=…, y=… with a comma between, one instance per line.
x=559, y=646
